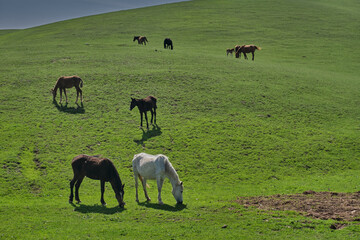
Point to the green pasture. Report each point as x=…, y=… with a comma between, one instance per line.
x=282, y=124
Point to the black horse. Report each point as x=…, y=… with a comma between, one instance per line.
x=96, y=168
x=168, y=43
x=144, y=105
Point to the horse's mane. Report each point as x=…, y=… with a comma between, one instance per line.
x=115, y=173
x=170, y=170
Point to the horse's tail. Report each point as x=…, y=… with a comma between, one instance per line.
x=81, y=82
x=154, y=100
x=141, y=179
x=258, y=48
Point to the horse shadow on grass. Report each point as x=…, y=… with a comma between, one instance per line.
x=79, y=109
x=97, y=209
x=165, y=207
x=155, y=131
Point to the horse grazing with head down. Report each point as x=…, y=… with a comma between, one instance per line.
x=68, y=82
x=144, y=105
x=246, y=49
x=168, y=43
x=230, y=51
x=96, y=168
x=146, y=166
x=140, y=39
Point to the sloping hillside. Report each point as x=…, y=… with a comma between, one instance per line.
x=282, y=124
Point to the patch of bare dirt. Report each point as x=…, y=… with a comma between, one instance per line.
x=321, y=205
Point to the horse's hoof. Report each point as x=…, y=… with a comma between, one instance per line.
x=70, y=201
x=161, y=203
x=78, y=202
x=104, y=204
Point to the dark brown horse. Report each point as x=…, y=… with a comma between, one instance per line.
x=168, y=43
x=96, y=168
x=144, y=105
x=246, y=49
x=140, y=39
x=68, y=82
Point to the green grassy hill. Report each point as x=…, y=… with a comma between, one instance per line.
x=285, y=123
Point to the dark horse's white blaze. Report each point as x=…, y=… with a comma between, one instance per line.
x=146, y=166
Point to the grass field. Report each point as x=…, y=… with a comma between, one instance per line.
x=282, y=124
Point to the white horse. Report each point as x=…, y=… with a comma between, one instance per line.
x=146, y=166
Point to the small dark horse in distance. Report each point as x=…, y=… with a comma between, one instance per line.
x=141, y=39
x=144, y=105
x=168, y=43
x=246, y=49
x=96, y=168
x=68, y=82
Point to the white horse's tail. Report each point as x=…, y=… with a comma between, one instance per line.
x=141, y=179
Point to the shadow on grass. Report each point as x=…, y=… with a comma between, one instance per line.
x=155, y=131
x=97, y=209
x=72, y=110
x=165, y=207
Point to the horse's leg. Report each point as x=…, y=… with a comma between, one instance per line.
x=152, y=116
x=77, y=94
x=78, y=90
x=65, y=95
x=253, y=55
x=147, y=123
x=77, y=186
x=136, y=185
x=245, y=56
x=102, y=192
x=141, y=119
x=71, y=197
x=60, y=95
x=160, y=182
x=143, y=181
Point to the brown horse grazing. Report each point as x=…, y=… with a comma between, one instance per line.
x=144, y=105
x=68, y=82
x=247, y=49
x=140, y=39
x=101, y=169
x=230, y=51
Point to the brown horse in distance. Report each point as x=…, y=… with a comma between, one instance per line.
x=140, y=39
x=96, y=168
x=144, y=105
x=68, y=82
x=246, y=49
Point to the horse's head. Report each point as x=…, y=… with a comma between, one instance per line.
x=133, y=103
x=177, y=192
x=135, y=38
x=120, y=196
x=53, y=92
